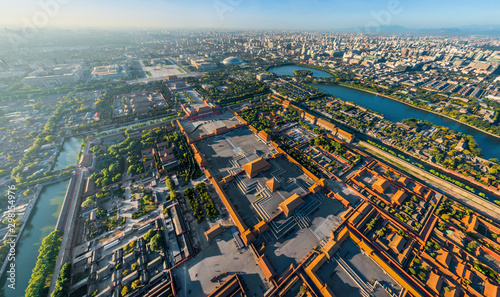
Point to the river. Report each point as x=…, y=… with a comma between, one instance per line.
x=396, y=111
x=42, y=221
x=69, y=153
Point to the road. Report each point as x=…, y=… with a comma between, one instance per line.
x=66, y=244
x=150, y=79
x=115, y=127
x=463, y=196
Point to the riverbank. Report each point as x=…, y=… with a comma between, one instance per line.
x=423, y=109
x=60, y=147
x=42, y=215
x=493, y=192
x=38, y=221
x=27, y=213
x=69, y=150
x=328, y=71
x=24, y=219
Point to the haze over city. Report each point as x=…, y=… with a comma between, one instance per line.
x=237, y=14
x=231, y=148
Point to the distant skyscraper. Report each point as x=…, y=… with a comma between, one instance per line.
x=303, y=49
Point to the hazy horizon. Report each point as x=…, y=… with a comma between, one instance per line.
x=248, y=15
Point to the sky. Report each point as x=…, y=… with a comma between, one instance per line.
x=319, y=15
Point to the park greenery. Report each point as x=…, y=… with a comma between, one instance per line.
x=188, y=97
x=254, y=116
x=302, y=73
x=44, y=268
x=289, y=115
x=170, y=187
x=47, y=177
x=456, y=182
x=372, y=224
x=156, y=243
x=155, y=240
x=63, y=281
x=28, y=163
x=336, y=148
x=314, y=130
x=207, y=201
x=126, y=157
x=146, y=204
x=226, y=87
x=103, y=222
x=194, y=204
x=305, y=161
x=17, y=91
x=105, y=104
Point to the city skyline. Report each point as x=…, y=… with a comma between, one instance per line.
x=249, y=148
x=360, y=15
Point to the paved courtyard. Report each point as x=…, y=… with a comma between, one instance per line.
x=222, y=255
x=341, y=282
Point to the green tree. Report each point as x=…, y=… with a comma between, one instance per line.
x=156, y=243
x=63, y=281
x=149, y=235
x=89, y=202
x=125, y=291
x=44, y=266
x=135, y=284
x=472, y=245
x=303, y=289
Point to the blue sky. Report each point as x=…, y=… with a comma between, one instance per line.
x=249, y=14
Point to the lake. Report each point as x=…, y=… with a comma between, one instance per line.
x=396, y=111
x=69, y=153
